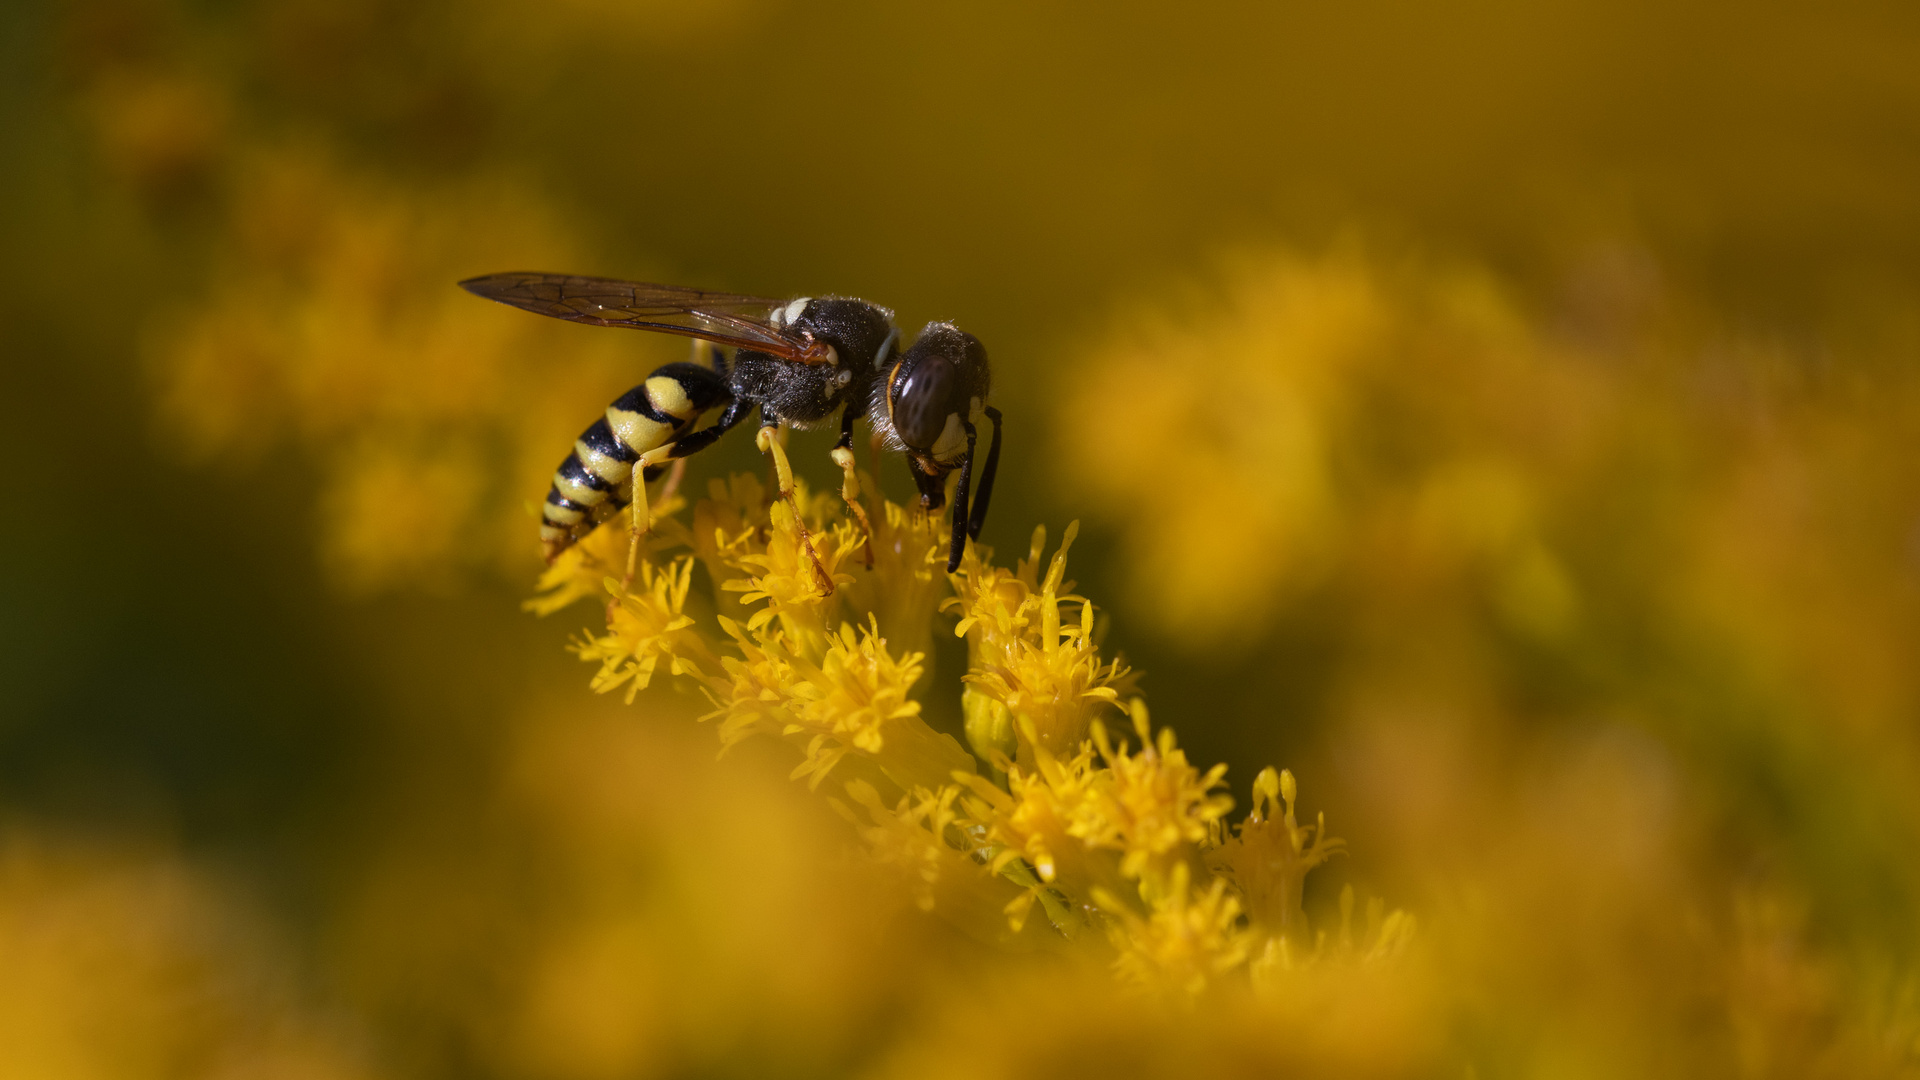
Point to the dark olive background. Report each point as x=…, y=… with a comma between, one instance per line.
x=1035, y=172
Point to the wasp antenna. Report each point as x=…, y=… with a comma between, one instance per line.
x=979, y=516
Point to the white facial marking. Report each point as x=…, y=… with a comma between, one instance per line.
x=952, y=441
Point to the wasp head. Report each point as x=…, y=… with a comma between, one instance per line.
x=925, y=400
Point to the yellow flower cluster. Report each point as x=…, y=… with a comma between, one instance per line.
x=1032, y=676
x=1120, y=840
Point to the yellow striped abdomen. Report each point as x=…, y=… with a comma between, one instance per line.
x=600, y=468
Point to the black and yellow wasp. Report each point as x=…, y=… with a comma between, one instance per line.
x=795, y=361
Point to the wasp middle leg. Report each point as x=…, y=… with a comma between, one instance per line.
x=769, y=443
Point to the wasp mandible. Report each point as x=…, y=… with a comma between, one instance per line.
x=796, y=361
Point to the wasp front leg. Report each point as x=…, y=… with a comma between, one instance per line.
x=960, y=503
x=932, y=483
x=850, y=482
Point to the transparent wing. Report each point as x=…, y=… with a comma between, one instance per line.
x=742, y=322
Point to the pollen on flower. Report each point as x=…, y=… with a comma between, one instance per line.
x=1053, y=825
x=858, y=688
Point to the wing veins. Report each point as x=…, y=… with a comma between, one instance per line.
x=646, y=306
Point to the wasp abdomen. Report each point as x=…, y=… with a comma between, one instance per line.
x=651, y=415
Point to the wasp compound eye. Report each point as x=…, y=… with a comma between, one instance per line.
x=921, y=396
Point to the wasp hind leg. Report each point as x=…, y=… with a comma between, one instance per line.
x=650, y=466
x=635, y=496
x=620, y=498
x=769, y=443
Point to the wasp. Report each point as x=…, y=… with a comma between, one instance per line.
x=796, y=362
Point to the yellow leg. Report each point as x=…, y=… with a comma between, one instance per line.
x=642, y=513
x=769, y=443
x=850, y=494
x=768, y=440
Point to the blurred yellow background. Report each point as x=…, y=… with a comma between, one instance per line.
x=1504, y=415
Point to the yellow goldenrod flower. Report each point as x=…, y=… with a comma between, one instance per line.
x=1093, y=830
x=1152, y=805
x=1151, y=808
x=849, y=697
x=911, y=835
x=784, y=573
x=582, y=570
x=726, y=526
x=1046, y=672
x=1035, y=822
x=1188, y=938
x=643, y=626
x=1268, y=857
x=907, y=582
